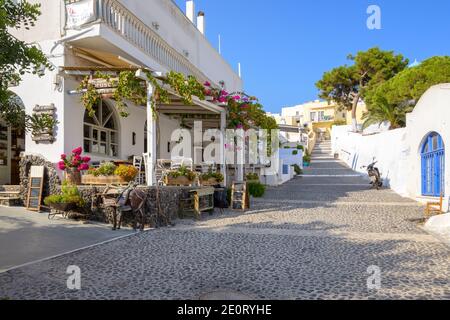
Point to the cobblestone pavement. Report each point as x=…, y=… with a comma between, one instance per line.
x=312, y=238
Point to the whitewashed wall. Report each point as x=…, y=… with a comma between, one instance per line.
x=389, y=148
x=399, y=151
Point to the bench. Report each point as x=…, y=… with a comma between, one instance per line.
x=434, y=207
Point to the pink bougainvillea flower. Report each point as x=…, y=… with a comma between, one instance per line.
x=83, y=167
x=77, y=151
x=86, y=159
x=236, y=98
x=222, y=99
x=224, y=93
x=239, y=126
x=63, y=156
x=62, y=165
x=207, y=84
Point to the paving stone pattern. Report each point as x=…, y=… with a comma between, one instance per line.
x=282, y=248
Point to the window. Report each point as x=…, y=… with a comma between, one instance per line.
x=101, y=135
x=321, y=115
x=313, y=116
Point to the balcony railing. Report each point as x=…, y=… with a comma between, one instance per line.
x=126, y=24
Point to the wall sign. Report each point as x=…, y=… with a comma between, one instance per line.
x=44, y=134
x=35, y=188
x=80, y=13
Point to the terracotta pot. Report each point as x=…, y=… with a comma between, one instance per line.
x=73, y=176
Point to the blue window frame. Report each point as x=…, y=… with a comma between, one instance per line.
x=433, y=166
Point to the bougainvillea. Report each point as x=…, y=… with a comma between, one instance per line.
x=75, y=161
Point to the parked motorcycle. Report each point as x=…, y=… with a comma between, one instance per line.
x=374, y=175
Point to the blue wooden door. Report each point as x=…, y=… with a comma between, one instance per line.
x=433, y=166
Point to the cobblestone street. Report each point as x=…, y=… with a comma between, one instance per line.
x=312, y=238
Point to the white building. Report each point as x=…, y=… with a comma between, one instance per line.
x=412, y=159
x=81, y=36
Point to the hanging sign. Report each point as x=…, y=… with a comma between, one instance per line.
x=80, y=13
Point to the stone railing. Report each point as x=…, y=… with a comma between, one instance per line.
x=126, y=24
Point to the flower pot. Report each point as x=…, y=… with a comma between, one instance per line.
x=73, y=176
x=179, y=181
x=103, y=180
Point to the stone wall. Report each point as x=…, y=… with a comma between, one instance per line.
x=168, y=204
x=51, y=178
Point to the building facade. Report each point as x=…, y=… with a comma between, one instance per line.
x=81, y=36
x=318, y=116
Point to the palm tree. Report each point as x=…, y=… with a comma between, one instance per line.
x=381, y=111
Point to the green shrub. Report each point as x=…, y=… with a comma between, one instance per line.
x=300, y=147
x=295, y=152
x=212, y=175
x=297, y=169
x=307, y=158
x=252, y=177
x=183, y=172
x=106, y=169
x=70, y=194
x=256, y=189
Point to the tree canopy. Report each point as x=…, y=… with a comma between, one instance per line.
x=346, y=85
x=400, y=94
x=17, y=57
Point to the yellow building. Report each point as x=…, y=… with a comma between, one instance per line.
x=317, y=115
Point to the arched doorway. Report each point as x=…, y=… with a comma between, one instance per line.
x=12, y=140
x=433, y=165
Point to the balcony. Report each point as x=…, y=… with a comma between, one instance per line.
x=114, y=17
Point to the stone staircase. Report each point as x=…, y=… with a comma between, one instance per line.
x=322, y=151
x=10, y=196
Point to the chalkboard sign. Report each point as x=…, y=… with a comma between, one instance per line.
x=240, y=198
x=35, y=188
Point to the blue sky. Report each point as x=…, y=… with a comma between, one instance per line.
x=285, y=46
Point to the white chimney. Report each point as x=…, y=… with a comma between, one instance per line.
x=190, y=10
x=201, y=22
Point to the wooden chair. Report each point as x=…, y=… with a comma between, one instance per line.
x=434, y=207
x=137, y=163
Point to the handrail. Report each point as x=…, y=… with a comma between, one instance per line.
x=123, y=22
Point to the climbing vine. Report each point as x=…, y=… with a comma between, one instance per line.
x=126, y=86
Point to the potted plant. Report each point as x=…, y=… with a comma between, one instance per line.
x=73, y=165
x=69, y=199
x=127, y=173
x=211, y=179
x=109, y=173
x=306, y=160
x=180, y=177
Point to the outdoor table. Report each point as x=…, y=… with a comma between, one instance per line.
x=198, y=201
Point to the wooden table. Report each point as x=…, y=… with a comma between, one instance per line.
x=199, y=200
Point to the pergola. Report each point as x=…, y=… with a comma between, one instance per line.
x=212, y=116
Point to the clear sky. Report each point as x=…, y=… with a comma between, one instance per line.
x=285, y=46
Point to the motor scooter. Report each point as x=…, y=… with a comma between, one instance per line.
x=374, y=175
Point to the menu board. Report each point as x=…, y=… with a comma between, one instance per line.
x=35, y=188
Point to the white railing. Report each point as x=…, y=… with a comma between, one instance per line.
x=126, y=24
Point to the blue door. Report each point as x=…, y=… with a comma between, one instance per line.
x=433, y=166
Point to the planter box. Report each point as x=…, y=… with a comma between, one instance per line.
x=180, y=181
x=102, y=180
x=209, y=183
